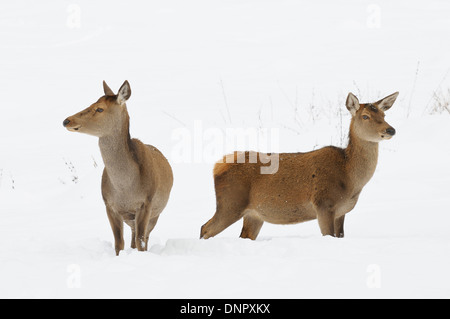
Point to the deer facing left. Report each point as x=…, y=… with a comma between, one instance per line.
x=137, y=178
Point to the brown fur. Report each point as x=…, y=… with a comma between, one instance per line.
x=323, y=184
x=137, y=178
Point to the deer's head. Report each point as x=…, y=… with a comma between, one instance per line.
x=104, y=116
x=368, y=119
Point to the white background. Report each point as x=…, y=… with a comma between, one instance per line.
x=284, y=65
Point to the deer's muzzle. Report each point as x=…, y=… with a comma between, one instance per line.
x=70, y=125
x=390, y=131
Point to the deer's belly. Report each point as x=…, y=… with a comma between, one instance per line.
x=285, y=213
x=125, y=205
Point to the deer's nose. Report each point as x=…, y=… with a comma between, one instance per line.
x=390, y=131
x=66, y=121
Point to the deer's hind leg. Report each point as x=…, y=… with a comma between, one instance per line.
x=231, y=202
x=222, y=219
x=252, y=226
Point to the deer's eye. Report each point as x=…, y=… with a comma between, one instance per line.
x=99, y=110
x=365, y=117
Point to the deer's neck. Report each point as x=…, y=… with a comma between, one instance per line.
x=118, y=157
x=362, y=158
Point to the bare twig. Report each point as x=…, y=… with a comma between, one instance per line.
x=434, y=92
x=290, y=129
x=173, y=117
x=226, y=101
x=413, y=89
x=293, y=105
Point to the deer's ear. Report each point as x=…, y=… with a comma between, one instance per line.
x=124, y=93
x=386, y=103
x=107, y=90
x=352, y=104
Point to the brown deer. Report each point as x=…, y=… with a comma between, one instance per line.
x=323, y=184
x=137, y=178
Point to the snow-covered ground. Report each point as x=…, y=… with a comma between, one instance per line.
x=197, y=67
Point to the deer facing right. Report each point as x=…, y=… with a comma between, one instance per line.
x=323, y=184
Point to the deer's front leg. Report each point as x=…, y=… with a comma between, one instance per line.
x=132, y=225
x=326, y=222
x=116, y=223
x=339, y=227
x=142, y=220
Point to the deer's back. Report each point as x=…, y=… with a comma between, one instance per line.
x=161, y=170
x=158, y=172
